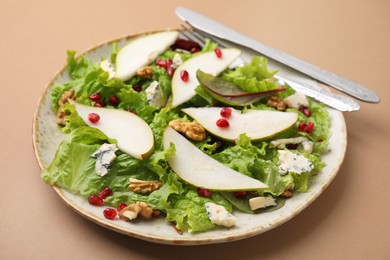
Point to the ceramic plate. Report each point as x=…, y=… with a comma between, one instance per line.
x=46, y=139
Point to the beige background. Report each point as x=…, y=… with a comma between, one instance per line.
x=350, y=220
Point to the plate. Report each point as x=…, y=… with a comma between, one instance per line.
x=46, y=139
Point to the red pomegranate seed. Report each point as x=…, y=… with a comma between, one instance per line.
x=131, y=111
x=95, y=200
x=95, y=97
x=169, y=63
x=99, y=104
x=204, y=192
x=170, y=71
x=194, y=50
x=218, y=52
x=240, y=194
x=226, y=112
x=121, y=206
x=184, y=75
x=161, y=63
x=185, y=45
x=305, y=110
x=222, y=123
x=137, y=88
x=306, y=127
x=109, y=213
x=105, y=193
x=93, y=117
x=156, y=213
x=114, y=100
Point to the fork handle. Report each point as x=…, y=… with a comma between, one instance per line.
x=219, y=30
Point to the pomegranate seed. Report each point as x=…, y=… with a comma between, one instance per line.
x=131, y=111
x=194, y=50
x=105, y=193
x=218, y=52
x=161, y=63
x=95, y=200
x=169, y=63
x=222, y=123
x=121, y=206
x=305, y=110
x=240, y=194
x=170, y=71
x=204, y=192
x=306, y=127
x=226, y=112
x=109, y=213
x=93, y=117
x=184, y=75
x=95, y=97
x=99, y=104
x=114, y=100
x=137, y=88
x=156, y=213
x=185, y=45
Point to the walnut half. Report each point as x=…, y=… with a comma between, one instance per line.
x=133, y=210
x=145, y=72
x=277, y=103
x=192, y=130
x=140, y=186
x=70, y=94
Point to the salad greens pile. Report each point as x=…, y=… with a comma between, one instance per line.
x=73, y=168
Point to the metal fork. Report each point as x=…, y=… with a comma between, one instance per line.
x=339, y=102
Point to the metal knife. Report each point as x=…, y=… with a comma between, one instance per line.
x=219, y=30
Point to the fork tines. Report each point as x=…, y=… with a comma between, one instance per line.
x=194, y=34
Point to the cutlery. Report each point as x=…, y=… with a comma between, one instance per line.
x=339, y=102
x=221, y=31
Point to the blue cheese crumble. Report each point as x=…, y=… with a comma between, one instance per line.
x=261, y=202
x=297, y=99
x=105, y=156
x=219, y=215
x=108, y=67
x=153, y=94
x=291, y=162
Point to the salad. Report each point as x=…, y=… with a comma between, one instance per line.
x=278, y=153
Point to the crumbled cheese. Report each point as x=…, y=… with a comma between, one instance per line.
x=297, y=99
x=304, y=144
x=219, y=215
x=176, y=61
x=291, y=162
x=105, y=156
x=153, y=94
x=261, y=202
x=108, y=67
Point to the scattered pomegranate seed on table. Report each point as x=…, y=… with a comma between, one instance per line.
x=95, y=200
x=222, y=123
x=110, y=213
x=93, y=117
x=204, y=192
x=184, y=75
x=226, y=112
x=218, y=52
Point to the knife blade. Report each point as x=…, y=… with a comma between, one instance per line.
x=219, y=30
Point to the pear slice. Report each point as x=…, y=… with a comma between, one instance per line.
x=209, y=63
x=256, y=124
x=132, y=133
x=200, y=170
x=142, y=51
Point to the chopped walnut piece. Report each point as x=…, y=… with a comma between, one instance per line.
x=140, y=186
x=192, y=130
x=70, y=94
x=277, y=103
x=145, y=72
x=133, y=210
x=288, y=192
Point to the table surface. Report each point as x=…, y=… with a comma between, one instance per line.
x=350, y=220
